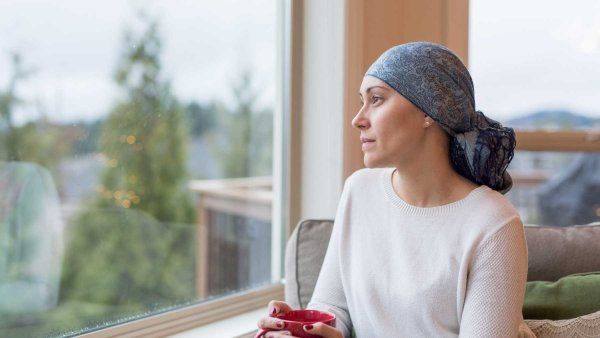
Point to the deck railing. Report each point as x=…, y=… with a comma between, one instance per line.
x=233, y=233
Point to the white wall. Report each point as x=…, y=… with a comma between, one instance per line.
x=322, y=108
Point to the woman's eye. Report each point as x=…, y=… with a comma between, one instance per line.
x=375, y=99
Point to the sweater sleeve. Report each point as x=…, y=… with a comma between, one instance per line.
x=329, y=293
x=496, y=285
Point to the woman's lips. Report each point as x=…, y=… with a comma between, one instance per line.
x=367, y=145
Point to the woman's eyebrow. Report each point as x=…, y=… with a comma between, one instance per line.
x=369, y=89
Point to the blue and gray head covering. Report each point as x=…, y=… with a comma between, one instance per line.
x=435, y=80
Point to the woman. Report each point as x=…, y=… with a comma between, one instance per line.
x=424, y=243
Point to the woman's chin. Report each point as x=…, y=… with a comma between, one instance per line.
x=371, y=162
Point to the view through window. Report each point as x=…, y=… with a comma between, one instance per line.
x=536, y=66
x=136, y=158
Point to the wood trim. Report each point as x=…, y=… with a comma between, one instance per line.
x=238, y=207
x=456, y=28
x=588, y=141
x=354, y=70
x=296, y=106
x=202, y=243
x=250, y=334
x=178, y=320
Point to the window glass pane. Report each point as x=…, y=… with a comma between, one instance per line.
x=537, y=69
x=538, y=66
x=555, y=188
x=136, y=158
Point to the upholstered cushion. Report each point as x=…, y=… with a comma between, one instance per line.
x=555, y=252
x=304, y=256
x=584, y=326
x=569, y=297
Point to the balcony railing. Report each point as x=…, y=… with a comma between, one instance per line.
x=233, y=234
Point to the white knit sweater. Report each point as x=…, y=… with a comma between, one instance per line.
x=396, y=270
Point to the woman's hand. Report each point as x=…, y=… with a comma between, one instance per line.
x=323, y=330
x=273, y=323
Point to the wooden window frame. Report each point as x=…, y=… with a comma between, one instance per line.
x=174, y=321
x=567, y=141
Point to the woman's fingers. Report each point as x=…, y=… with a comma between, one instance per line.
x=271, y=323
x=276, y=307
x=323, y=330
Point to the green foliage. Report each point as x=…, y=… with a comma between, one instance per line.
x=37, y=141
x=248, y=135
x=261, y=145
x=134, y=244
x=202, y=118
x=9, y=100
x=68, y=319
x=144, y=137
x=133, y=260
x=43, y=143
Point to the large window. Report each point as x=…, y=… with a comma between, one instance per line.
x=536, y=66
x=136, y=158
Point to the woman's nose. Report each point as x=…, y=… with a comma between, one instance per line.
x=360, y=121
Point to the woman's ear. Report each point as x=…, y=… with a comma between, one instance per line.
x=428, y=121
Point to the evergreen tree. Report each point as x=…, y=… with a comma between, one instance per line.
x=144, y=137
x=9, y=100
x=134, y=245
x=247, y=134
x=202, y=118
x=38, y=141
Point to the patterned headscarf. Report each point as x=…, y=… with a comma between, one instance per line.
x=434, y=79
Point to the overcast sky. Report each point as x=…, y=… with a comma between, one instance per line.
x=531, y=55
x=524, y=55
x=74, y=46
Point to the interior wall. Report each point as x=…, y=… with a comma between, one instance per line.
x=317, y=109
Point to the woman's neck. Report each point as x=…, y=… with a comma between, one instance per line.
x=431, y=188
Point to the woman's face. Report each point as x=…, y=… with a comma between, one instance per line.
x=392, y=129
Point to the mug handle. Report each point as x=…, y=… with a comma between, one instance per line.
x=262, y=333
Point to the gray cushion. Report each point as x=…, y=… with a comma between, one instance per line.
x=304, y=256
x=555, y=252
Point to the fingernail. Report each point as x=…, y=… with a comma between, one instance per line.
x=308, y=327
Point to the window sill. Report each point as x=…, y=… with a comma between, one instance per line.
x=196, y=316
x=243, y=325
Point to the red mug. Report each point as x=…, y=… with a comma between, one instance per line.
x=296, y=319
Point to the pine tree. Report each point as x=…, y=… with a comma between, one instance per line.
x=248, y=134
x=9, y=100
x=144, y=137
x=134, y=245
